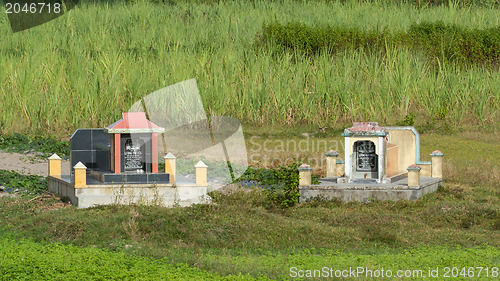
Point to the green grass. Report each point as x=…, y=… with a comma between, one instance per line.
x=421, y=258
x=27, y=260
x=440, y=42
x=242, y=226
x=246, y=232
x=85, y=68
x=99, y=61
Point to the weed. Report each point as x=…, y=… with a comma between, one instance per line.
x=380, y=234
x=45, y=146
x=28, y=184
x=321, y=201
x=409, y=120
x=281, y=184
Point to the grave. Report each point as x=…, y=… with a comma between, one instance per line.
x=365, y=151
x=119, y=165
x=381, y=163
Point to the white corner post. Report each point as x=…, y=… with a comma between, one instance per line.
x=304, y=175
x=413, y=175
x=170, y=162
x=201, y=174
x=381, y=155
x=80, y=175
x=437, y=164
x=347, y=156
x=55, y=166
x=331, y=163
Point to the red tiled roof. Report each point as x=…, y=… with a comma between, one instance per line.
x=134, y=122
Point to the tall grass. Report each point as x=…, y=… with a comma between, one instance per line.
x=85, y=68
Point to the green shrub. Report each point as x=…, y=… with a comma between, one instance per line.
x=30, y=184
x=281, y=184
x=438, y=40
x=452, y=43
x=23, y=144
x=312, y=40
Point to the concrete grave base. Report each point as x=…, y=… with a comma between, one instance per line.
x=184, y=192
x=329, y=188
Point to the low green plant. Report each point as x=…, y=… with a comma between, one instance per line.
x=23, y=183
x=409, y=120
x=45, y=146
x=28, y=260
x=281, y=184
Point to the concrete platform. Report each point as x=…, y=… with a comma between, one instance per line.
x=184, y=192
x=363, y=192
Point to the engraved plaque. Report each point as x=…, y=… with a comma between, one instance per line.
x=133, y=155
x=136, y=153
x=366, y=159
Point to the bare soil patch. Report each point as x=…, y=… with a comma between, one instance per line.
x=26, y=164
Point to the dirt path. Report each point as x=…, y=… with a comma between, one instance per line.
x=24, y=164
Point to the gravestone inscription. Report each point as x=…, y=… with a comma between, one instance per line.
x=366, y=158
x=133, y=156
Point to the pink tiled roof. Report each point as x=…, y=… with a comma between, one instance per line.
x=134, y=122
x=365, y=128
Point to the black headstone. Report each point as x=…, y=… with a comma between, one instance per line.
x=136, y=153
x=92, y=147
x=366, y=159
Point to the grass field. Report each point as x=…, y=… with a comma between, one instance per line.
x=28, y=260
x=85, y=68
x=244, y=232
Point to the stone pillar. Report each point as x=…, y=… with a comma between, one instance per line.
x=413, y=175
x=154, y=153
x=347, y=158
x=331, y=163
x=170, y=166
x=304, y=175
x=381, y=159
x=200, y=174
x=80, y=175
x=55, y=166
x=437, y=164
